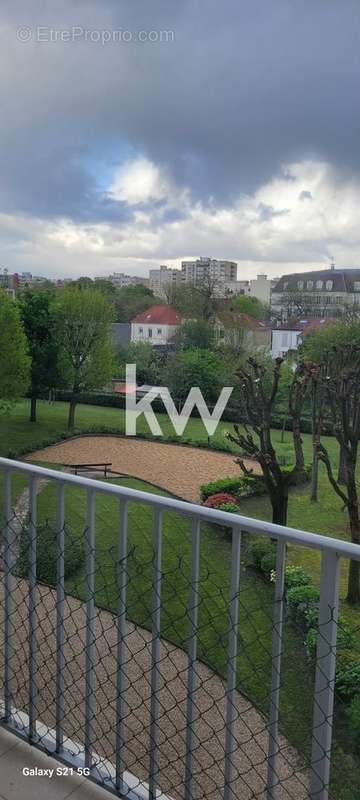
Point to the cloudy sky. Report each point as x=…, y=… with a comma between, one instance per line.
x=233, y=131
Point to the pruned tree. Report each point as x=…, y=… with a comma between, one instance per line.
x=259, y=393
x=298, y=391
x=317, y=416
x=340, y=379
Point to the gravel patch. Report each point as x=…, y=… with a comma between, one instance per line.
x=178, y=469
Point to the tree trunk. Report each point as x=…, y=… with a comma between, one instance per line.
x=33, y=409
x=342, y=465
x=71, y=417
x=300, y=476
x=353, y=595
x=279, y=508
x=314, y=476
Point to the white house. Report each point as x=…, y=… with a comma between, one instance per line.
x=157, y=325
x=289, y=335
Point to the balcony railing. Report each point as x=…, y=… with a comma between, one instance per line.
x=102, y=685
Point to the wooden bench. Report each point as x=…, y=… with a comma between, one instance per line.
x=102, y=467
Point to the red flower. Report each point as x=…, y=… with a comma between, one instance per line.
x=216, y=500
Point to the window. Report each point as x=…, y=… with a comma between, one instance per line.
x=159, y=331
x=300, y=284
x=150, y=333
x=286, y=284
x=329, y=285
x=356, y=286
x=309, y=284
x=319, y=284
x=141, y=331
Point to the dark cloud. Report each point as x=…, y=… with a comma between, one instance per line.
x=244, y=88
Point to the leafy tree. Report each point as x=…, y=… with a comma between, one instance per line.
x=260, y=387
x=246, y=304
x=14, y=358
x=195, y=334
x=188, y=368
x=86, y=352
x=187, y=302
x=146, y=358
x=37, y=318
x=105, y=286
x=132, y=300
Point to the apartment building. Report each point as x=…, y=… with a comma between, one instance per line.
x=162, y=278
x=120, y=279
x=196, y=272
x=318, y=293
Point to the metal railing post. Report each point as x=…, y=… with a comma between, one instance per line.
x=274, y=749
x=192, y=658
x=32, y=610
x=325, y=676
x=90, y=627
x=121, y=648
x=155, y=658
x=60, y=601
x=231, y=713
x=8, y=585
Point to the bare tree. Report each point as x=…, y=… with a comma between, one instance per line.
x=260, y=391
x=340, y=376
x=207, y=292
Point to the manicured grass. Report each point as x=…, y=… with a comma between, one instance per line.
x=18, y=435
x=256, y=598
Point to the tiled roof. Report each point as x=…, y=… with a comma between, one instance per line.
x=159, y=315
x=306, y=325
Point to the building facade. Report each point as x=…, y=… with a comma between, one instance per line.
x=163, y=278
x=157, y=325
x=319, y=293
x=196, y=272
x=120, y=279
x=289, y=335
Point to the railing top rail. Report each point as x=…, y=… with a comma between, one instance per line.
x=293, y=535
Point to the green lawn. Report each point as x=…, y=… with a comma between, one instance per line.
x=256, y=599
x=18, y=435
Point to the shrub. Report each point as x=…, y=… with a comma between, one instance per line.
x=220, y=499
x=232, y=508
x=296, y=576
x=268, y=561
x=301, y=600
x=348, y=674
x=310, y=642
x=241, y=486
x=257, y=550
x=46, y=554
x=353, y=713
x=345, y=639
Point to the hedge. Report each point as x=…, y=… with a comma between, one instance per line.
x=231, y=413
x=302, y=598
x=243, y=485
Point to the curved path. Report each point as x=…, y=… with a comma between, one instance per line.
x=178, y=469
